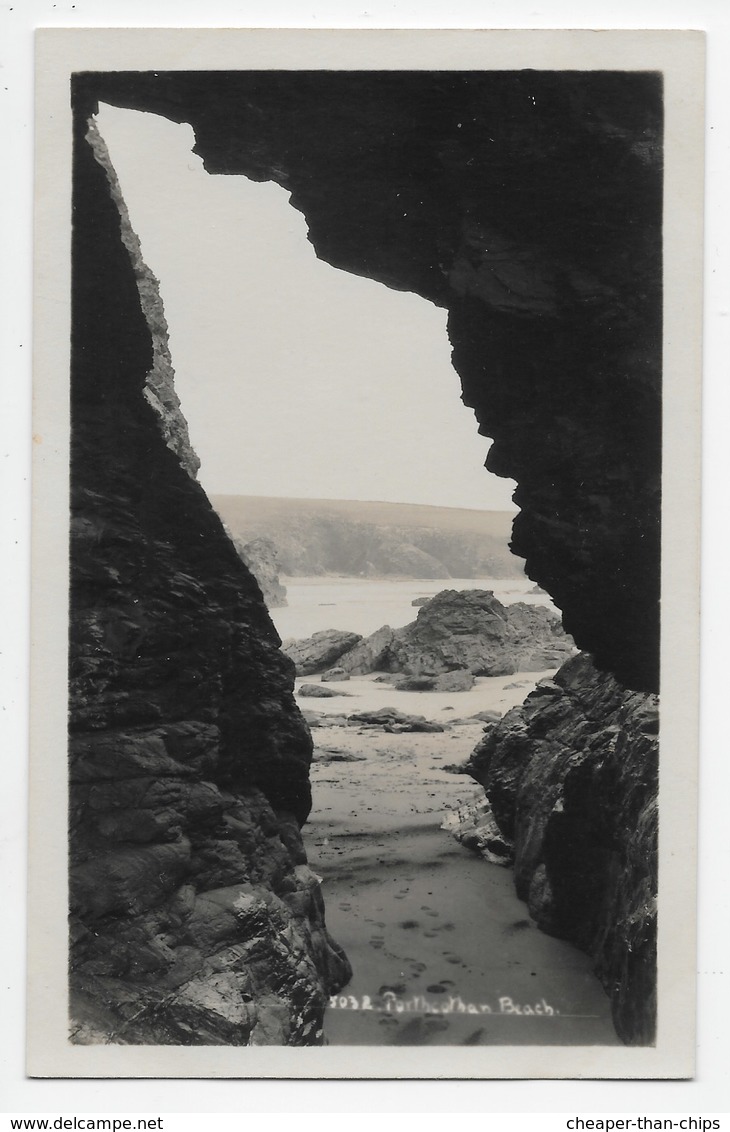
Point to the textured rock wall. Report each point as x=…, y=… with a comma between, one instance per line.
x=262, y=560
x=572, y=779
x=194, y=917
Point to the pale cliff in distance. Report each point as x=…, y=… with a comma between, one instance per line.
x=370, y=539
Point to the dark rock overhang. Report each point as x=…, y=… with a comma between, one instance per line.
x=529, y=204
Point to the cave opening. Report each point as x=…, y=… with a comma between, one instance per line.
x=554, y=322
x=290, y=375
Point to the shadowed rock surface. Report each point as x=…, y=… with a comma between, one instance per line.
x=572, y=780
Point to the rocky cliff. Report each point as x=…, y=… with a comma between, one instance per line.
x=572, y=779
x=260, y=555
x=194, y=917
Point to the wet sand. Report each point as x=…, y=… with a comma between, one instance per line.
x=442, y=950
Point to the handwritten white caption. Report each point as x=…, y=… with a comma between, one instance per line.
x=391, y=1003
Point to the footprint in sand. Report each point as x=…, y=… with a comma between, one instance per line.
x=432, y=913
x=394, y=988
x=436, y=988
x=408, y=924
x=430, y=935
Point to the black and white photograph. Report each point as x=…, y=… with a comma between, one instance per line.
x=367, y=464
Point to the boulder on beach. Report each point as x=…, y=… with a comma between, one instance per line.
x=260, y=556
x=471, y=629
x=423, y=600
x=319, y=691
x=457, y=635
x=414, y=683
x=320, y=651
x=370, y=654
x=390, y=719
x=474, y=825
x=460, y=680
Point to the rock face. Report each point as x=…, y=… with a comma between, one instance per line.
x=471, y=629
x=572, y=779
x=194, y=917
x=261, y=558
x=320, y=651
x=456, y=635
x=369, y=655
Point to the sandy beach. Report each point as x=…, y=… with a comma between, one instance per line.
x=442, y=950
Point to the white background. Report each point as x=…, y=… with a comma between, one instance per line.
x=709, y=1091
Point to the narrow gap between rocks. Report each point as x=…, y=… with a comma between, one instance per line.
x=345, y=392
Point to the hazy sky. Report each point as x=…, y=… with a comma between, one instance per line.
x=296, y=379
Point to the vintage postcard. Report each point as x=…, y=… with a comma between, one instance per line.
x=365, y=601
